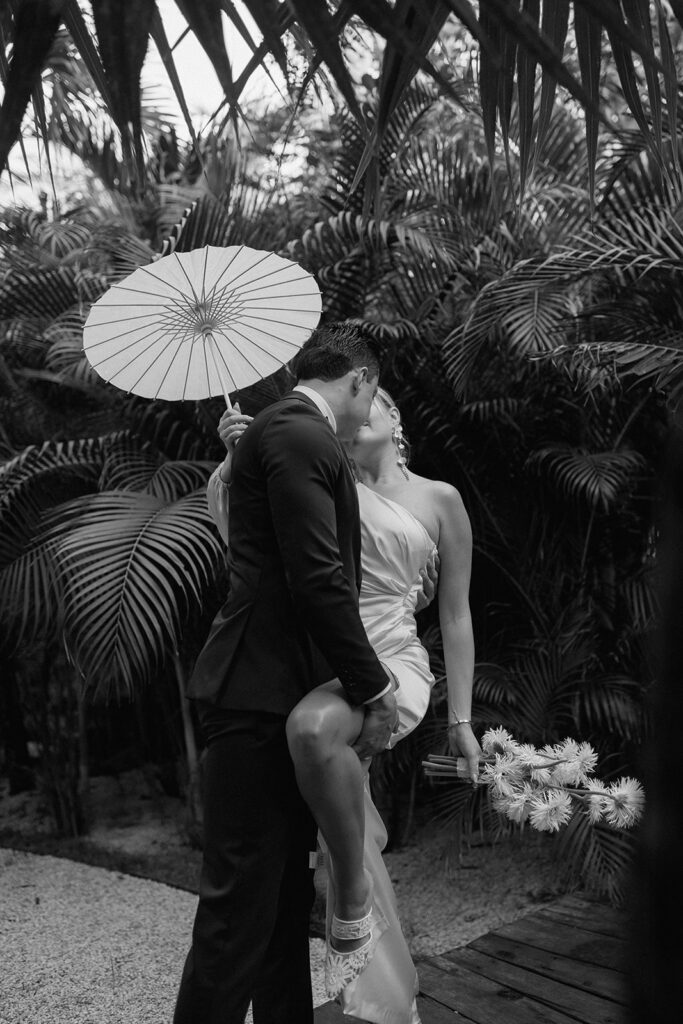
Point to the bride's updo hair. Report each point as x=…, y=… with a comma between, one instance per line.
x=385, y=400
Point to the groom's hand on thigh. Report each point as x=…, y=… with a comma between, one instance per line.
x=381, y=719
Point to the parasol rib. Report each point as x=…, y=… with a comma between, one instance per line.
x=268, y=334
x=168, y=369
x=258, y=282
x=251, y=341
x=194, y=294
x=148, y=366
x=206, y=368
x=167, y=284
x=212, y=350
x=239, y=352
x=279, y=320
x=124, y=348
x=225, y=268
x=244, y=288
x=251, y=266
x=234, y=302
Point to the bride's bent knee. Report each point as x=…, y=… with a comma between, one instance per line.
x=317, y=727
x=310, y=734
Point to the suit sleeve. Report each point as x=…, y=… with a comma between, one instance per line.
x=302, y=463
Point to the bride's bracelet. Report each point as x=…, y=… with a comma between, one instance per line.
x=460, y=721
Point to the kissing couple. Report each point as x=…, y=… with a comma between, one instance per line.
x=312, y=666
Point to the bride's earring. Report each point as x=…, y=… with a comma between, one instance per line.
x=397, y=438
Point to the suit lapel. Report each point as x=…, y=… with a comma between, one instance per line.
x=299, y=396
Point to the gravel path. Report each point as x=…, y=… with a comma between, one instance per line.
x=84, y=945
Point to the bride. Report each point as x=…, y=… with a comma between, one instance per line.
x=408, y=524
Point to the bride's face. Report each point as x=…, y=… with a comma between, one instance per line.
x=373, y=436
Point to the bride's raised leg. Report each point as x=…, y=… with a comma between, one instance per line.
x=320, y=731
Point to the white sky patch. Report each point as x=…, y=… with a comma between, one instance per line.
x=203, y=95
x=202, y=89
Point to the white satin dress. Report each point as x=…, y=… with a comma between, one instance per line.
x=395, y=548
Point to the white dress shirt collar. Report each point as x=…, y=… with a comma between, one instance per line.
x=320, y=402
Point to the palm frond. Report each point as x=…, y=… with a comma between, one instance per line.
x=503, y=409
x=31, y=602
x=64, y=355
x=612, y=704
x=134, y=466
x=339, y=236
x=642, y=241
x=597, y=856
x=181, y=430
x=132, y=566
x=116, y=252
x=337, y=194
x=596, y=479
x=659, y=365
x=36, y=475
x=55, y=288
x=525, y=309
x=533, y=325
x=31, y=485
x=642, y=600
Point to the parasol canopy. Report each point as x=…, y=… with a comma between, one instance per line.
x=201, y=323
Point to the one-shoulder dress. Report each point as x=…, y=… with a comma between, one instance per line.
x=395, y=548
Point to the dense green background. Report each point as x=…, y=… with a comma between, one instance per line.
x=530, y=318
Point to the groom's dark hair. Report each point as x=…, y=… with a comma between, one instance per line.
x=333, y=350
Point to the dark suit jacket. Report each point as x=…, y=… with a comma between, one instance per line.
x=291, y=619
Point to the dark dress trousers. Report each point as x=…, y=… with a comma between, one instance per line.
x=290, y=622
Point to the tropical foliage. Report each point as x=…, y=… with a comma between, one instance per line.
x=520, y=46
x=529, y=313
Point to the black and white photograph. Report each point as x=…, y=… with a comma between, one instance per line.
x=341, y=511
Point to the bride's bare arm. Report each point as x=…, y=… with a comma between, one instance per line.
x=455, y=554
x=231, y=426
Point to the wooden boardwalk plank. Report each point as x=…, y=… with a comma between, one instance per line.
x=575, y=943
x=588, y=906
x=430, y=1013
x=479, y=999
x=589, y=977
x=593, y=917
x=605, y=929
x=588, y=1007
x=329, y=1013
x=562, y=964
x=436, y=1013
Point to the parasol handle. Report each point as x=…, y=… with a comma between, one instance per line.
x=218, y=367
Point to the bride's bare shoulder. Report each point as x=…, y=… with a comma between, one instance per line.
x=448, y=508
x=439, y=491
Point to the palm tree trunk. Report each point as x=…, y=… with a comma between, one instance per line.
x=13, y=734
x=194, y=803
x=83, y=785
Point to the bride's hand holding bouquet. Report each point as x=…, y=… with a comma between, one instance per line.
x=545, y=787
x=464, y=747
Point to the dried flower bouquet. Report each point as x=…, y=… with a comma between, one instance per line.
x=546, y=786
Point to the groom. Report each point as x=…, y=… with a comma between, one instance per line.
x=290, y=622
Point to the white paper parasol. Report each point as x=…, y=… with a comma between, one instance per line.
x=201, y=323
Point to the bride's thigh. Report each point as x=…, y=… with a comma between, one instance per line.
x=323, y=717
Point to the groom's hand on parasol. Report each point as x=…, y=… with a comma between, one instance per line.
x=231, y=426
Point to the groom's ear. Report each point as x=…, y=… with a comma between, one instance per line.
x=360, y=375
